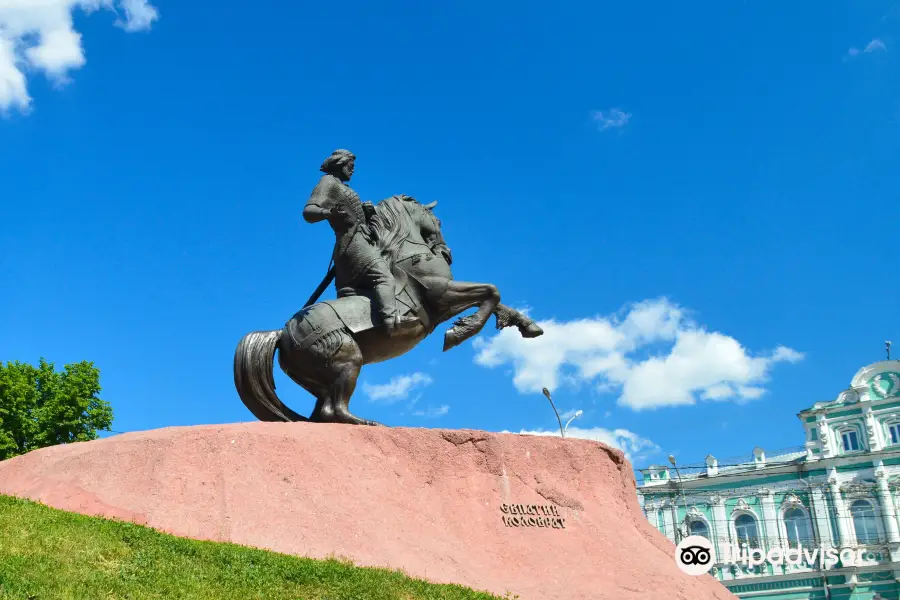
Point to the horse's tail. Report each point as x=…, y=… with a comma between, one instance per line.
x=254, y=377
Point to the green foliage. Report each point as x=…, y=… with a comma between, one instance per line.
x=46, y=553
x=42, y=407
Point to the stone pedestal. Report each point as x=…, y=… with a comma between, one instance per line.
x=541, y=517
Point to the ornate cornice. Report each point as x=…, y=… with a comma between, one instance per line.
x=858, y=489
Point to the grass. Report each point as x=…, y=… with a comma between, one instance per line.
x=47, y=554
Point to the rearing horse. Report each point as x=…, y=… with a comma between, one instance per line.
x=323, y=347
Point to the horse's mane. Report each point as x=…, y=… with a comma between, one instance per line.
x=392, y=225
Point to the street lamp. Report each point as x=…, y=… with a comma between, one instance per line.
x=577, y=414
x=547, y=393
x=682, y=527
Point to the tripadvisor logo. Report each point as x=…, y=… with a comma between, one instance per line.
x=695, y=555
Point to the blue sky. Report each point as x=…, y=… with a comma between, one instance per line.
x=698, y=201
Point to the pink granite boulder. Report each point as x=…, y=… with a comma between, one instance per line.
x=542, y=517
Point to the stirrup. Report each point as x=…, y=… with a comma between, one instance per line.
x=407, y=323
x=400, y=324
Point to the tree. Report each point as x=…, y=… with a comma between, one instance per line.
x=42, y=407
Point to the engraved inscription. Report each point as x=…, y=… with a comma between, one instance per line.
x=532, y=515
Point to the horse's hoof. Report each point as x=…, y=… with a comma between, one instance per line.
x=451, y=340
x=531, y=330
x=348, y=418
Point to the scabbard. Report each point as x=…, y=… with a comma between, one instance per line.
x=329, y=277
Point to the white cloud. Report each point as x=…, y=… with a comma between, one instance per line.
x=397, y=388
x=612, y=118
x=39, y=35
x=783, y=353
x=139, y=15
x=433, y=413
x=616, y=354
x=634, y=446
x=413, y=401
x=875, y=46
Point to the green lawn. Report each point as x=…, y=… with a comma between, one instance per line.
x=47, y=554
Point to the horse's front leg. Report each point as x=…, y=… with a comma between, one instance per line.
x=461, y=296
x=510, y=317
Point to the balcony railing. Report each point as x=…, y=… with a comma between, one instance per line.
x=740, y=463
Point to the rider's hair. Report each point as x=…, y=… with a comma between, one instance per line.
x=338, y=159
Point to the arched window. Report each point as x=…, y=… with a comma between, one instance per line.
x=864, y=523
x=699, y=528
x=797, y=526
x=747, y=532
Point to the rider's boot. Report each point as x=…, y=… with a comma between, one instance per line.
x=397, y=325
x=394, y=322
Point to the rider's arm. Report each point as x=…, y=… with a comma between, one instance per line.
x=318, y=207
x=313, y=213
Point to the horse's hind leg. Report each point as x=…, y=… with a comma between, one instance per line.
x=313, y=370
x=320, y=393
x=346, y=364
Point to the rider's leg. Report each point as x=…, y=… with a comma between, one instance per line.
x=381, y=281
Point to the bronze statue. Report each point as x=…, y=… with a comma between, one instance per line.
x=392, y=273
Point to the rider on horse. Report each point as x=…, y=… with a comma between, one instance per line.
x=357, y=260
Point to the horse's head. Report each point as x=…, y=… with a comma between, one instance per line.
x=431, y=232
x=402, y=218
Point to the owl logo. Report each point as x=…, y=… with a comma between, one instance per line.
x=694, y=555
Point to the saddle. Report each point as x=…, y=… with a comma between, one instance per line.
x=354, y=306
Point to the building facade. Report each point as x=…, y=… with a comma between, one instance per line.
x=828, y=506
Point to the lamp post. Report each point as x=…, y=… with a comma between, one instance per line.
x=547, y=394
x=682, y=527
x=577, y=414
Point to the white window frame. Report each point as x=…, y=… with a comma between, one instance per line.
x=850, y=440
x=783, y=524
x=876, y=515
x=696, y=519
x=891, y=423
x=861, y=439
x=733, y=526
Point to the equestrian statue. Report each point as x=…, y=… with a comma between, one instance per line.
x=391, y=269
